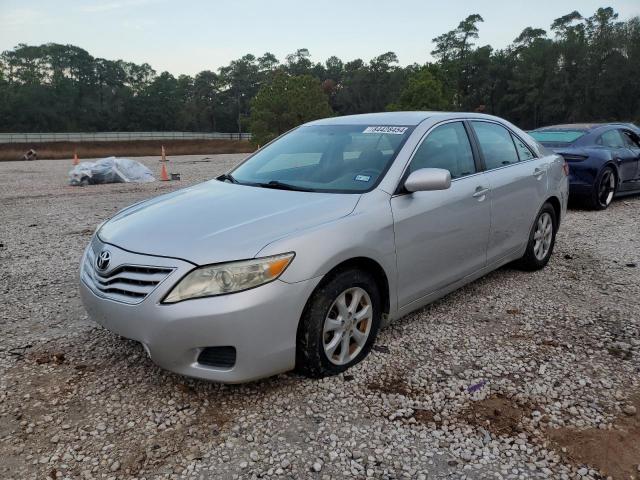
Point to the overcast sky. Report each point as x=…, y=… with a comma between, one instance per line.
x=190, y=36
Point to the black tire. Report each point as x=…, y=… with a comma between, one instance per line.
x=603, y=193
x=311, y=359
x=529, y=260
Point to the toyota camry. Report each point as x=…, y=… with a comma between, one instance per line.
x=297, y=257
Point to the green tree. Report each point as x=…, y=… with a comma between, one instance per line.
x=284, y=103
x=423, y=92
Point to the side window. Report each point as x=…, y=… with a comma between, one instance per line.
x=630, y=140
x=496, y=144
x=523, y=151
x=611, y=139
x=447, y=147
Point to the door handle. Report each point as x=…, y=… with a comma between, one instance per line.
x=538, y=173
x=480, y=192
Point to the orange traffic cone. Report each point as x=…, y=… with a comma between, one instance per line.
x=76, y=160
x=164, y=155
x=163, y=173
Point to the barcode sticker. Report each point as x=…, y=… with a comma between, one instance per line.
x=383, y=129
x=362, y=178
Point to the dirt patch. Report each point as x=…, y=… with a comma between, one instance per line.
x=425, y=417
x=56, y=358
x=615, y=452
x=139, y=148
x=499, y=415
x=395, y=385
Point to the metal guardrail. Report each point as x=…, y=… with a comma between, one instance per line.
x=117, y=136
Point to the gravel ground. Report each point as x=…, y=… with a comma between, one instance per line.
x=518, y=375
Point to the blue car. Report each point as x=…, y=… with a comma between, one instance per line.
x=603, y=159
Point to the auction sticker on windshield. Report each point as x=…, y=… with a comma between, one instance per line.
x=362, y=178
x=383, y=129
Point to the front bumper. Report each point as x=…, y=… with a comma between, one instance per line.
x=261, y=323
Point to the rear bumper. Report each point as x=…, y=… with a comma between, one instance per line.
x=580, y=190
x=261, y=324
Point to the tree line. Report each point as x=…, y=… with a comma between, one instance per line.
x=582, y=69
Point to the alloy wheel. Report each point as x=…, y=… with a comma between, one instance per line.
x=347, y=326
x=607, y=187
x=542, y=236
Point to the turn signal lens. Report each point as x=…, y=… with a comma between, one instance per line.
x=229, y=277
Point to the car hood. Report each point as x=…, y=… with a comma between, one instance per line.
x=216, y=221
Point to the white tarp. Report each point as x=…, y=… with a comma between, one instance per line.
x=110, y=170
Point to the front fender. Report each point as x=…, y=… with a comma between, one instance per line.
x=366, y=232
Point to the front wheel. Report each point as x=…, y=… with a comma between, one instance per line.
x=339, y=324
x=541, y=240
x=603, y=190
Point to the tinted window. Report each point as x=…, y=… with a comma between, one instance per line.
x=523, y=151
x=327, y=158
x=630, y=140
x=496, y=144
x=611, y=139
x=447, y=147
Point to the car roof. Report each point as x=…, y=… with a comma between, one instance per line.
x=587, y=127
x=394, y=118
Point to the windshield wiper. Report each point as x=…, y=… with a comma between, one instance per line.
x=227, y=176
x=284, y=186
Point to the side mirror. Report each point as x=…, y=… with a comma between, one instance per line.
x=426, y=179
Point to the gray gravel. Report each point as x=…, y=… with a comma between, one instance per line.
x=478, y=385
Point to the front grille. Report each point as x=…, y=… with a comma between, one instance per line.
x=220, y=357
x=125, y=283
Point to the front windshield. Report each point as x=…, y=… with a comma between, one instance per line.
x=557, y=136
x=325, y=158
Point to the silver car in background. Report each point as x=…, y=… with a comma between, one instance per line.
x=300, y=254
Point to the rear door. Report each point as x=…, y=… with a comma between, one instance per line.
x=441, y=236
x=518, y=183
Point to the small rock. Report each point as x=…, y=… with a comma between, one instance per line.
x=317, y=466
x=629, y=410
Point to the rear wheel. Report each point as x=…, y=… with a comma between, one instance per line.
x=339, y=324
x=541, y=240
x=603, y=190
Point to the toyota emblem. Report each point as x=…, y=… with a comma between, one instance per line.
x=102, y=262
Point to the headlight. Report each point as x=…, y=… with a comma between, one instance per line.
x=229, y=277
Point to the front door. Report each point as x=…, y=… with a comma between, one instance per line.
x=624, y=158
x=441, y=236
x=632, y=142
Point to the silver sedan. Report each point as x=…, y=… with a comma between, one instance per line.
x=298, y=256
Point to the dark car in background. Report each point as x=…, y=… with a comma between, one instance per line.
x=603, y=159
